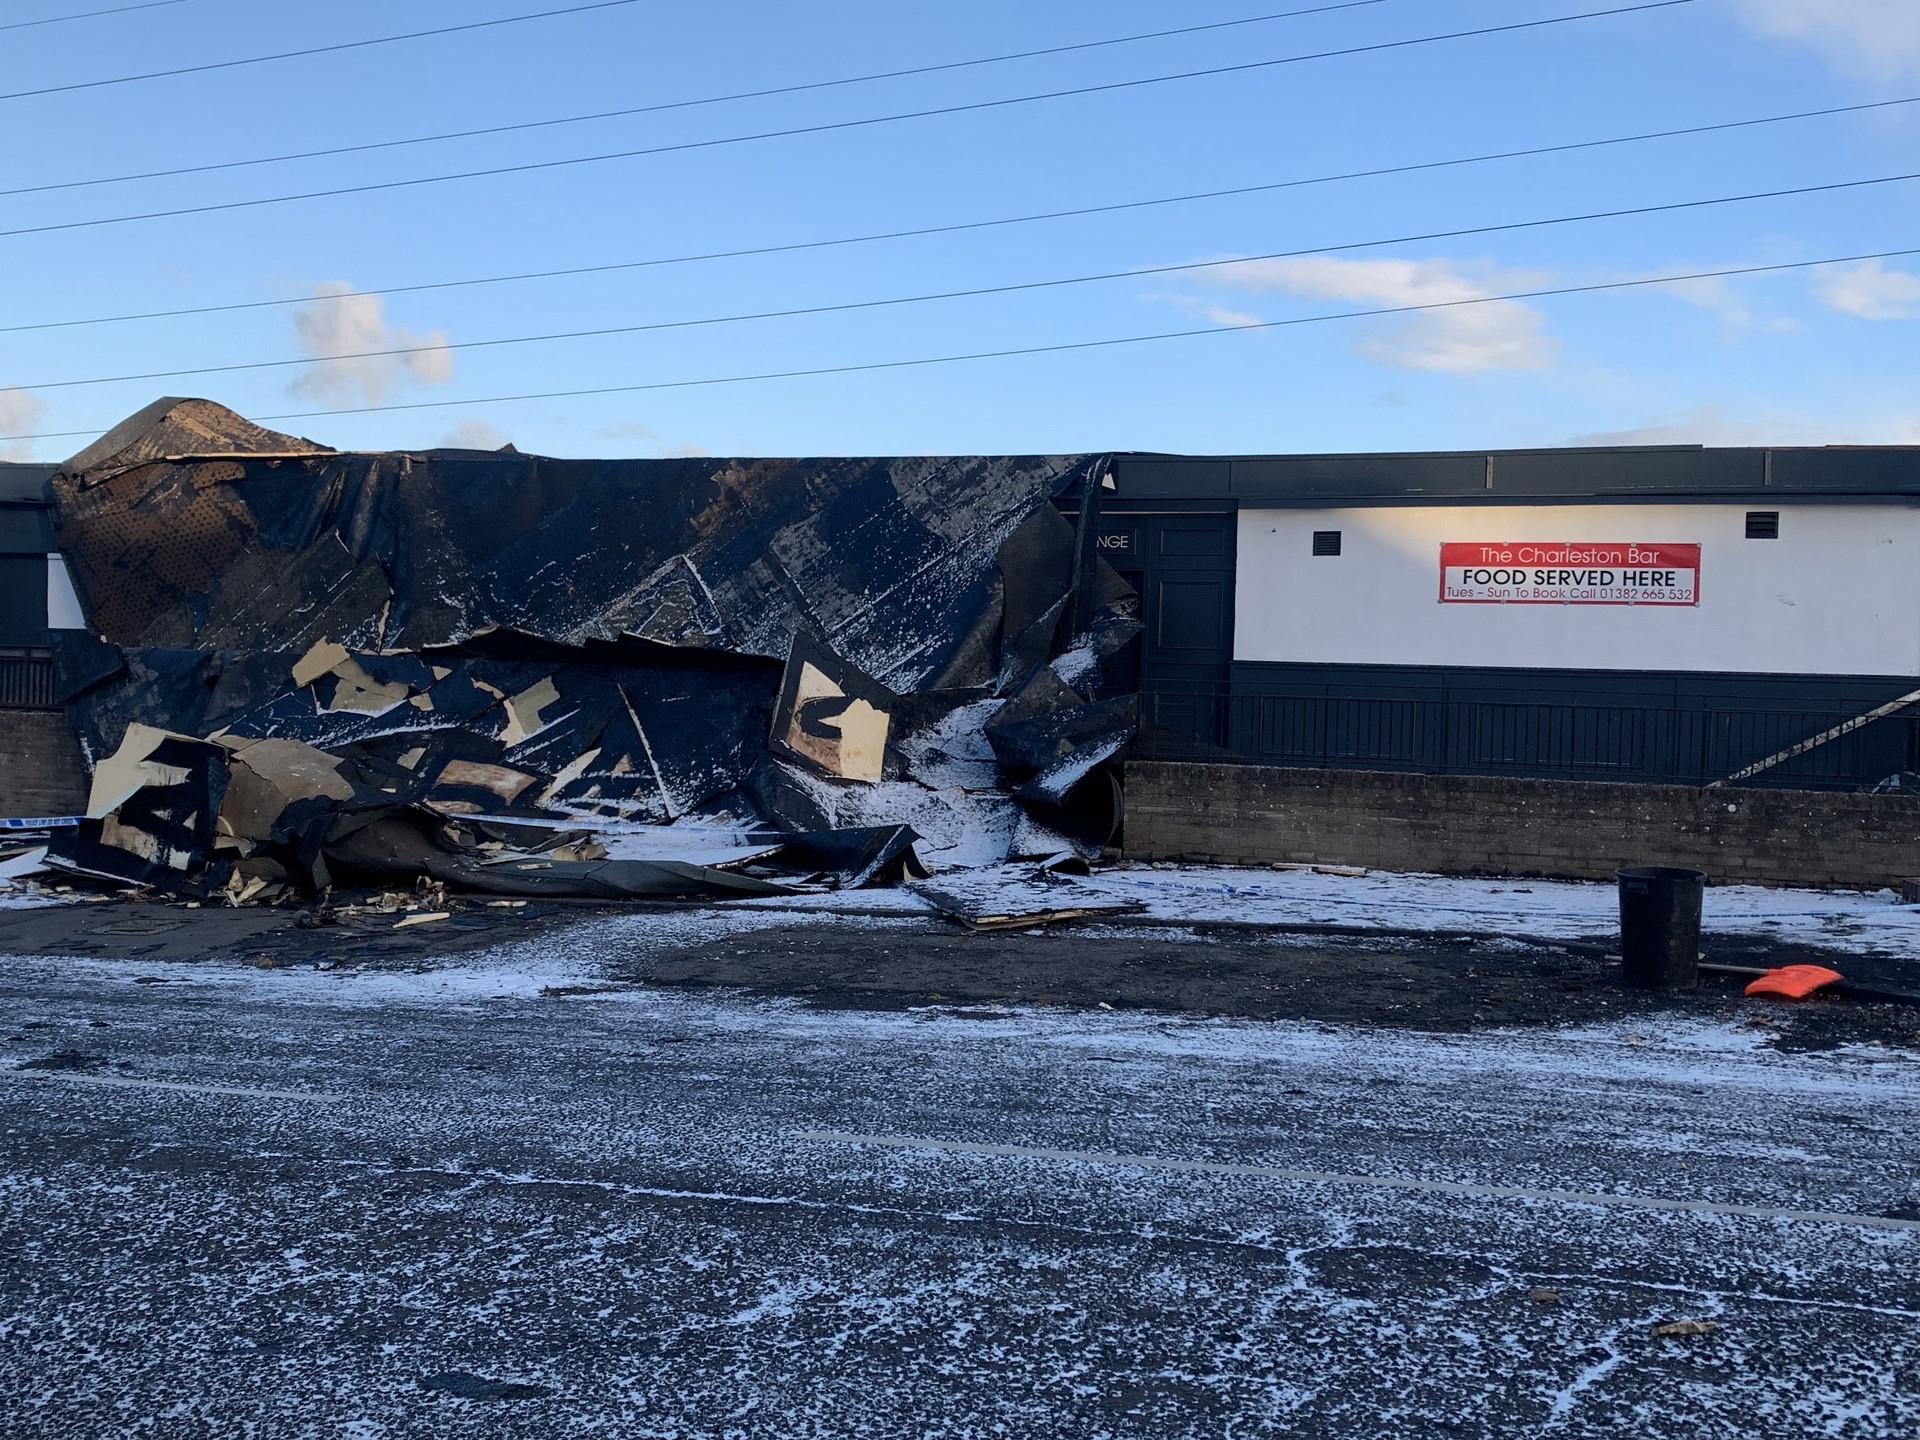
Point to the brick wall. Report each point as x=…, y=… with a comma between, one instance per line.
x=1474, y=825
x=41, y=772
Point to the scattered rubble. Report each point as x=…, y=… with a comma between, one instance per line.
x=997, y=900
x=307, y=667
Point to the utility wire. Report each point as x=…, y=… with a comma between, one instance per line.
x=838, y=125
x=1061, y=348
x=682, y=104
x=311, y=50
x=1058, y=348
x=1300, y=320
x=965, y=225
x=89, y=14
x=979, y=291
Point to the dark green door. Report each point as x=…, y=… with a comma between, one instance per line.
x=1181, y=565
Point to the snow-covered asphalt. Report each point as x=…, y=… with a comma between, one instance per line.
x=301, y=1203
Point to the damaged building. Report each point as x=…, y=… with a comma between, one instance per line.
x=241, y=663
x=505, y=671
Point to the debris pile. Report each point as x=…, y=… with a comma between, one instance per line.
x=527, y=676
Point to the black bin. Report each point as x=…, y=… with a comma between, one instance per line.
x=1660, y=926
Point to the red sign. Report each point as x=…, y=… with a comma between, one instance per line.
x=1568, y=572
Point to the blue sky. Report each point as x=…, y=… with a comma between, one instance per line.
x=1794, y=357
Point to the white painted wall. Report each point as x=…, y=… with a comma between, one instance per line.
x=1837, y=594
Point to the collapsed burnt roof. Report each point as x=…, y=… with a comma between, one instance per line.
x=218, y=549
x=807, y=645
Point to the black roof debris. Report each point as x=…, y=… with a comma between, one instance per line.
x=305, y=664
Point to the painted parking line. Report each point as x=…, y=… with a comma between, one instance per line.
x=130, y=1082
x=1374, y=1182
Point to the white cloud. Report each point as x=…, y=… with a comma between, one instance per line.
x=21, y=413
x=1869, y=290
x=1713, y=294
x=1462, y=339
x=1231, y=319
x=471, y=434
x=1880, y=38
x=627, y=430
x=1722, y=297
x=636, y=430
x=1711, y=425
x=339, y=321
x=1203, y=309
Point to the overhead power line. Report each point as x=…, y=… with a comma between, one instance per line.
x=1296, y=321
x=958, y=227
x=977, y=292
x=89, y=14
x=1377, y=312
x=527, y=167
x=333, y=49
x=684, y=104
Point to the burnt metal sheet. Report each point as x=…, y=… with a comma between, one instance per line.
x=774, y=791
x=832, y=716
x=640, y=732
x=861, y=858
x=1036, y=565
x=887, y=560
x=158, y=825
x=403, y=843
x=610, y=880
x=1022, y=898
x=1088, y=813
x=448, y=636
x=173, y=426
x=1049, y=721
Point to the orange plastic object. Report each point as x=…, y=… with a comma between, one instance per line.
x=1794, y=982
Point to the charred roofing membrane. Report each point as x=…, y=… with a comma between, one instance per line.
x=455, y=634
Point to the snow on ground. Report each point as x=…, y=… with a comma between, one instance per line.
x=1840, y=920
x=1675, y=1049
x=1554, y=909
x=898, y=901
x=576, y=961
x=664, y=1207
